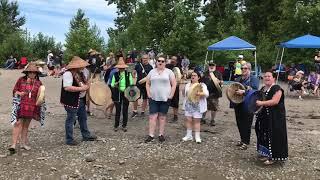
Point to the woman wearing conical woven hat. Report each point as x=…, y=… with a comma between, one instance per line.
x=120, y=81
x=25, y=96
x=73, y=93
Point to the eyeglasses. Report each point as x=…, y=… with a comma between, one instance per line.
x=159, y=61
x=194, y=75
x=245, y=68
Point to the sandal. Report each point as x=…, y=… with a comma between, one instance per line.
x=243, y=147
x=239, y=143
x=25, y=147
x=268, y=162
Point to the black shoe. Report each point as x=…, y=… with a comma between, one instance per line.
x=90, y=138
x=73, y=143
x=134, y=114
x=161, y=138
x=175, y=118
x=115, y=129
x=124, y=129
x=203, y=121
x=149, y=139
x=212, y=123
x=12, y=150
x=142, y=113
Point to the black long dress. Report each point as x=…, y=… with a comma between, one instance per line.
x=271, y=128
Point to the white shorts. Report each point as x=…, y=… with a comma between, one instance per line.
x=196, y=115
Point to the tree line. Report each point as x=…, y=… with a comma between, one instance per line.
x=175, y=26
x=190, y=26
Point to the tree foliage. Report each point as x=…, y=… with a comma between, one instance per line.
x=81, y=37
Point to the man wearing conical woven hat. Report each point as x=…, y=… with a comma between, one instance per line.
x=73, y=97
x=120, y=81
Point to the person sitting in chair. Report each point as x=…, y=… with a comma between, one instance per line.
x=299, y=83
x=313, y=82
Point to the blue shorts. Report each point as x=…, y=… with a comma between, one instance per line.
x=158, y=107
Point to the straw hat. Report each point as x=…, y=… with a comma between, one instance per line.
x=77, y=62
x=121, y=64
x=92, y=52
x=300, y=72
x=31, y=67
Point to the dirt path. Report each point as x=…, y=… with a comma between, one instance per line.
x=119, y=155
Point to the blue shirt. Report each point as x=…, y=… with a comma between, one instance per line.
x=111, y=75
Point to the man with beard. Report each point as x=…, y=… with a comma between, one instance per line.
x=213, y=80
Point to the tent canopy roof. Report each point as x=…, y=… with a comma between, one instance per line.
x=306, y=41
x=231, y=43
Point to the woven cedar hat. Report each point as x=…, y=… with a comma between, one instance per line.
x=121, y=64
x=232, y=95
x=31, y=67
x=92, y=52
x=77, y=62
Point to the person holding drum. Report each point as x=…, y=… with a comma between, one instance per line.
x=120, y=81
x=161, y=86
x=271, y=128
x=243, y=117
x=73, y=97
x=25, y=90
x=142, y=70
x=195, y=106
x=213, y=80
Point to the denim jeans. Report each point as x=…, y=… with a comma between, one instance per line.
x=82, y=119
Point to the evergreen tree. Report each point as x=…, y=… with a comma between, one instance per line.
x=81, y=37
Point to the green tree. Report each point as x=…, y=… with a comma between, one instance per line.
x=81, y=37
x=10, y=21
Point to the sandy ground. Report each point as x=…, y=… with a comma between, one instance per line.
x=119, y=155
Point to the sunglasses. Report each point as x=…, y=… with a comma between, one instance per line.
x=159, y=61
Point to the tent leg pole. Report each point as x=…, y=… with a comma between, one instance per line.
x=280, y=65
x=212, y=56
x=205, y=61
x=255, y=62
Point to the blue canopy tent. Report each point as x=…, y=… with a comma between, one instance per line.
x=306, y=41
x=233, y=43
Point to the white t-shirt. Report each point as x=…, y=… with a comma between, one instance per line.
x=160, y=85
x=68, y=80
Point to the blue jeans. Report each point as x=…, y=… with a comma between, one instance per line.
x=82, y=119
x=9, y=65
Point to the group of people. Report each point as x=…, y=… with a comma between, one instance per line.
x=159, y=86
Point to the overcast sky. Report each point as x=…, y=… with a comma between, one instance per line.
x=52, y=17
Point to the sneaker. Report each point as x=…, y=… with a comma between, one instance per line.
x=124, y=129
x=115, y=129
x=134, y=114
x=161, y=138
x=90, y=138
x=305, y=93
x=142, y=113
x=187, y=138
x=198, y=140
x=300, y=98
x=149, y=139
